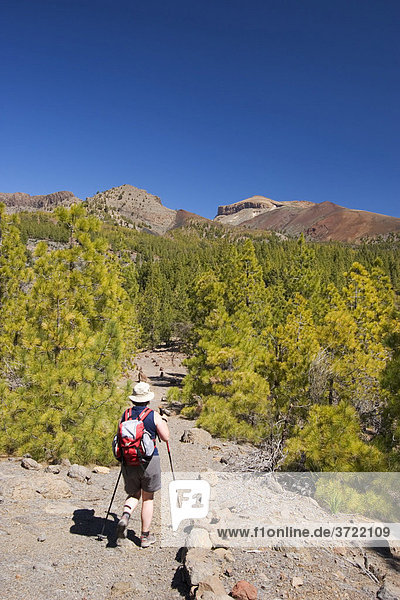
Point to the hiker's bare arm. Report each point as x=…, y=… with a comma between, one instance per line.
x=162, y=427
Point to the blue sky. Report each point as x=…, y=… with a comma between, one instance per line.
x=203, y=103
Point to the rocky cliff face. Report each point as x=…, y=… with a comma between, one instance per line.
x=246, y=210
x=131, y=206
x=255, y=202
x=21, y=202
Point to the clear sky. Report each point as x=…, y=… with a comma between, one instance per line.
x=203, y=102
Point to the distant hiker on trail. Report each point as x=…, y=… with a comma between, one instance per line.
x=141, y=470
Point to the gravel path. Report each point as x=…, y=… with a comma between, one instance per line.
x=49, y=524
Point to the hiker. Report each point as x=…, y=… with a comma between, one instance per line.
x=142, y=480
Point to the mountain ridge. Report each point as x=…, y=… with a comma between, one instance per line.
x=133, y=207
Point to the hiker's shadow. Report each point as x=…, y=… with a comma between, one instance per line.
x=85, y=523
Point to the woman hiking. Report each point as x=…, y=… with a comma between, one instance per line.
x=143, y=478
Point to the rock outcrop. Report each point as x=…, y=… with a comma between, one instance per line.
x=24, y=202
x=132, y=207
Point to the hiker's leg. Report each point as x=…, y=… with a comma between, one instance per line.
x=131, y=503
x=147, y=510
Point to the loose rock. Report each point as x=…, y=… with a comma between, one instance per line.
x=103, y=470
x=78, y=472
x=54, y=469
x=297, y=581
x=211, y=589
x=198, y=538
x=30, y=464
x=210, y=476
x=385, y=592
x=244, y=590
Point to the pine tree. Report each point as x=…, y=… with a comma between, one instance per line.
x=353, y=337
x=14, y=277
x=391, y=413
x=80, y=326
x=331, y=441
x=245, y=287
x=151, y=304
x=300, y=273
x=291, y=349
x=223, y=383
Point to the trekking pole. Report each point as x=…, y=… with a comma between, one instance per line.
x=169, y=451
x=170, y=461
x=101, y=535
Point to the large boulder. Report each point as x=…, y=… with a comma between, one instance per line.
x=200, y=564
x=30, y=464
x=196, y=436
x=79, y=472
x=53, y=488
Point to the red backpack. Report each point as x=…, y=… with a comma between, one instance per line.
x=134, y=445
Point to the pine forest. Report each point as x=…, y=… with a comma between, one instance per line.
x=291, y=346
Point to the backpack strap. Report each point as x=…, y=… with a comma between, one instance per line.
x=144, y=413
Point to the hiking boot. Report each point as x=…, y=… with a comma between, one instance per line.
x=122, y=526
x=147, y=540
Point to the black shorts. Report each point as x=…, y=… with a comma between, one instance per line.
x=136, y=478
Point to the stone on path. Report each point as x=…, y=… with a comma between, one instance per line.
x=211, y=589
x=244, y=590
x=79, y=472
x=54, y=469
x=387, y=592
x=42, y=567
x=210, y=476
x=200, y=564
x=198, y=538
x=297, y=581
x=102, y=470
x=30, y=464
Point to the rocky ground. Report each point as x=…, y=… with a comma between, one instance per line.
x=49, y=523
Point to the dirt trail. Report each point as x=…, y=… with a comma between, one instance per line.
x=49, y=548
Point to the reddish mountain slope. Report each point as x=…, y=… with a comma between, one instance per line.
x=320, y=222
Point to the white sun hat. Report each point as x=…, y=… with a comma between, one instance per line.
x=141, y=393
